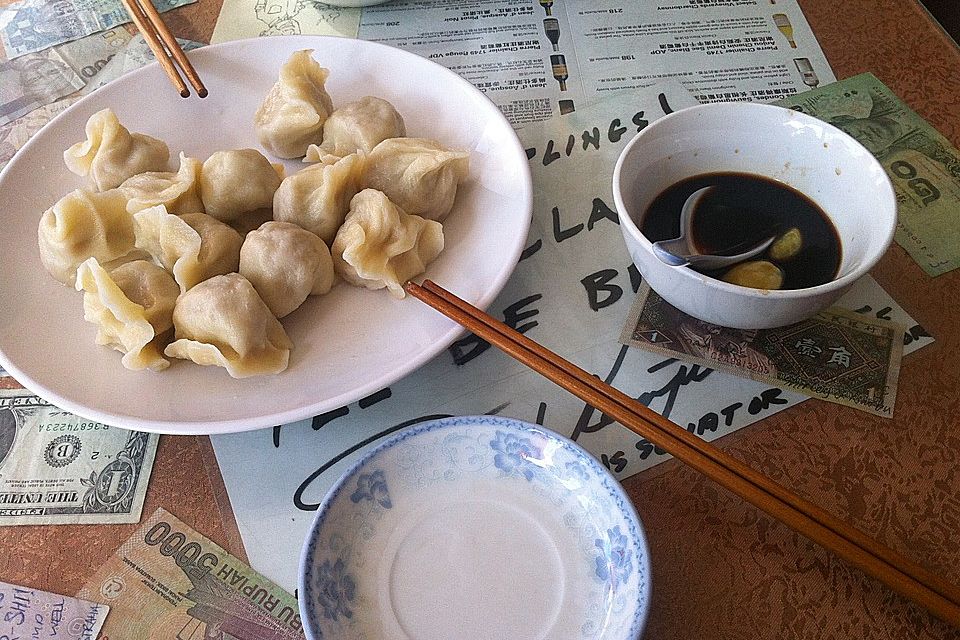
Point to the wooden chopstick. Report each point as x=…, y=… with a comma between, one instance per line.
x=164, y=45
x=899, y=573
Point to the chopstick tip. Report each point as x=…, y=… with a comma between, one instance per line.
x=202, y=92
x=184, y=93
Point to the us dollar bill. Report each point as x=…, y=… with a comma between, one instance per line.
x=33, y=81
x=35, y=25
x=58, y=468
x=32, y=613
x=922, y=164
x=837, y=355
x=168, y=581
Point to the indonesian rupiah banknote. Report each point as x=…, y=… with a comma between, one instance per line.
x=98, y=59
x=168, y=581
x=37, y=79
x=88, y=56
x=14, y=135
x=33, y=81
x=34, y=25
x=58, y=468
x=135, y=54
x=837, y=355
x=32, y=613
x=922, y=164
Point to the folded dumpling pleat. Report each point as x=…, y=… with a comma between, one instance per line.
x=381, y=246
x=359, y=126
x=223, y=322
x=179, y=192
x=193, y=247
x=111, y=154
x=132, y=307
x=317, y=198
x=81, y=225
x=295, y=109
x=419, y=175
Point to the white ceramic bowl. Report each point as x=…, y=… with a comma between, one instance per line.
x=815, y=158
x=475, y=527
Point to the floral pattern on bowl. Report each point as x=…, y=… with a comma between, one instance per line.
x=479, y=527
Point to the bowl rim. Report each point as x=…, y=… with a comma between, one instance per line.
x=435, y=424
x=886, y=193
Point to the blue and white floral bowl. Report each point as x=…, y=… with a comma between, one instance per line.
x=480, y=528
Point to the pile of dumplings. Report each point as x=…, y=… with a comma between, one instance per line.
x=202, y=263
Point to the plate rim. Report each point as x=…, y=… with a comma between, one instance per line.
x=629, y=510
x=237, y=425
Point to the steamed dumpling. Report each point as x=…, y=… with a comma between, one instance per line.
x=236, y=182
x=81, y=225
x=358, y=126
x=132, y=307
x=317, y=198
x=193, y=247
x=285, y=264
x=294, y=111
x=417, y=174
x=179, y=192
x=223, y=322
x=381, y=246
x=111, y=154
x=251, y=220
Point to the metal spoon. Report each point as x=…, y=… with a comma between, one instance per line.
x=681, y=252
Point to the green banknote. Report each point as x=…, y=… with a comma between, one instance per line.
x=59, y=468
x=923, y=166
x=837, y=355
x=168, y=582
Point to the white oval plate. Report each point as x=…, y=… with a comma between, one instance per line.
x=475, y=527
x=347, y=344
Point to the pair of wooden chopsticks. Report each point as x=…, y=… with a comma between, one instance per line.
x=900, y=574
x=164, y=46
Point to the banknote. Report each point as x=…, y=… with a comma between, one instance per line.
x=35, y=25
x=135, y=54
x=922, y=164
x=89, y=55
x=32, y=613
x=14, y=135
x=33, y=81
x=837, y=355
x=58, y=468
x=168, y=581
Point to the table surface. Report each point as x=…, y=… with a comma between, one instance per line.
x=721, y=568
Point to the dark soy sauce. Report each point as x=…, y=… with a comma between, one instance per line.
x=742, y=210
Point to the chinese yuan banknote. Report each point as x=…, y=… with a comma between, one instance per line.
x=836, y=355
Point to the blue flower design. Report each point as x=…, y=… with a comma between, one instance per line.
x=335, y=589
x=615, y=562
x=514, y=454
x=372, y=486
x=578, y=471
